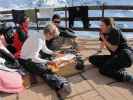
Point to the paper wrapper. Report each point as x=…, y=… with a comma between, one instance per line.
x=65, y=66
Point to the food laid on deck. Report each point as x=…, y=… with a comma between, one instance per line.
x=65, y=65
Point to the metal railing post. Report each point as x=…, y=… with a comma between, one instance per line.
x=103, y=10
x=66, y=16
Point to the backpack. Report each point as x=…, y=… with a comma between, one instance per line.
x=7, y=31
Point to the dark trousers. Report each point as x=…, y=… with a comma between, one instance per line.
x=78, y=12
x=54, y=81
x=113, y=65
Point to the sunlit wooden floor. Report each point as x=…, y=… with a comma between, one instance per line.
x=88, y=85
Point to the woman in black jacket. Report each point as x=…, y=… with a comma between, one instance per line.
x=121, y=55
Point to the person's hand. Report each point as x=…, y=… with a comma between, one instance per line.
x=58, y=54
x=102, y=36
x=53, y=66
x=51, y=63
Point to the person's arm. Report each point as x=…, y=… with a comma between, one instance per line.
x=6, y=54
x=112, y=47
x=48, y=51
x=69, y=29
x=37, y=45
x=39, y=60
x=102, y=45
x=5, y=49
x=45, y=49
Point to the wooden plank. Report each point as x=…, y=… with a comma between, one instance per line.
x=90, y=18
x=125, y=89
x=77, y=98
x=79, y=85
x=95, y=79
x=6, y=12
x=118, y=7
x=43, y=19
x=8, y=96
x=39, y=92
x=82, y=29
x=108, y=93
x=112, y=7
x=109, y=7
x=91, y=95
x=97, y=29
x=99, y=18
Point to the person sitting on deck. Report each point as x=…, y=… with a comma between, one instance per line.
x=121, y=57
x=10, y=77
x=10, y=60
x=64, y=32
x=34, y=64
x=19, y=37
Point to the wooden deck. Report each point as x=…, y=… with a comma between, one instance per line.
x=88, y=85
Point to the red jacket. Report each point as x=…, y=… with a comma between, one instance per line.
x=22, y=32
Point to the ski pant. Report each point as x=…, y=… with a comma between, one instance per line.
x=78, y=12
x=54, y=81
x=114, y=66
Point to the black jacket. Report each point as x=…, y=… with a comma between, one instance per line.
x=67, y=32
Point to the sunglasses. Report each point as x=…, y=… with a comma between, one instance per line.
x=56, y=21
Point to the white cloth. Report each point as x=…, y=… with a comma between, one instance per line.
x=46, y=13
x=32, y=47
x=66, y=57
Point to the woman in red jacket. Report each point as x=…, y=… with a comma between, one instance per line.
x=20, y=36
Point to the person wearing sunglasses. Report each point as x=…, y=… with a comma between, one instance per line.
x=64, y=32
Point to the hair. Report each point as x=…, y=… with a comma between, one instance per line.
x=109, y=22
x=55, y=16
x=50, y=28
x=23, y=20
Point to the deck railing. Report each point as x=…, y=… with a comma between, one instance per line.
x=101, y=8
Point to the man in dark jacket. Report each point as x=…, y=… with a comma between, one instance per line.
x=65, y=34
